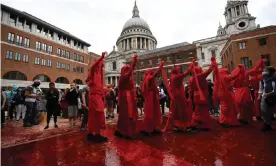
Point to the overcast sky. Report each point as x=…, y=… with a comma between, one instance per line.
x=100, y=22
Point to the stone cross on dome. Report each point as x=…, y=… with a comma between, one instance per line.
x=135, y=11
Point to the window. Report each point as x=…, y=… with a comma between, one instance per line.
x=245, y=62
x=50, y=49
x=159, y=60
x=67, y=67
x=267, y=57
x=150, y=62
x=19, y=40
x=43, y=62
x=78, y=57
x=213, y=52
x=9, y=55
x=42, y=78
x=202, y=56
x=67, y=54
x=44, y=47
x=141, y=63
x=10, y=37
x=262, y=42
x=179, y=57
x=58, y=51
x=81, y=58
x=114, y=67
x=58, y=65
x=49, y=63
x=242, y=45
x=37, y=59
x=25, y=58
x=17, y=57
x=27, y=43
x=169, y=59
x=75, y=57
x=63, y=53
x=81, y=69
x=37, y=45
x=15, y=75
x=63, y=66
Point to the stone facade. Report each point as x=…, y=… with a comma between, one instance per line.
x=238, y=19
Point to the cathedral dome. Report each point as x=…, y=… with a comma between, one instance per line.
x=136, y=34
x=136, y=22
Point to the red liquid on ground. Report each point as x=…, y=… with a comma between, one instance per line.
x=242, y=146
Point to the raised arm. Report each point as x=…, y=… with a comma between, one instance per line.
x=234, y=75
x=190, y=69
x=257, y=67
x=134, y=62
x=132, y=66
x=98, y=61
x=210, y=69
x=159, y=69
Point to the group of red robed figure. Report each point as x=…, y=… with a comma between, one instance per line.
x=182, y=113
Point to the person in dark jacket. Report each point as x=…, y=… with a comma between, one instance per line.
x=267, y=93
x=20, y=107
x=52, y=105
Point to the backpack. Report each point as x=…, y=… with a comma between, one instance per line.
x=271, y=100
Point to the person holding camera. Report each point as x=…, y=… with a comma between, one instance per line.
x=72, y=99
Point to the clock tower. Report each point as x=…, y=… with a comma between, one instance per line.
x=238, y=18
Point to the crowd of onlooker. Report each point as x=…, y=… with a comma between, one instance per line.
x=34, y=105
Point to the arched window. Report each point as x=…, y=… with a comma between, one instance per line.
x=62, y=80
x=78, y=81
x=42, y=78
x=15, y=75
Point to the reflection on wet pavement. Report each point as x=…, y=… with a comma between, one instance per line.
x=242, y=146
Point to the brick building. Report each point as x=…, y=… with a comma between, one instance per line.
x=34, y=49
x=177, y=54
x=249, y=47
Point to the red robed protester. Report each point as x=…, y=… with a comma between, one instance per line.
x=152, y=117
x=244, y=102
x=226, y=96
x=181, y=112
x=255, y=79
x=127, y=102
x=96, y=118
x=199, y=88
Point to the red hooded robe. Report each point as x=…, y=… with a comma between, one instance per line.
x=128, y=114
x=96, y=119
x=199, y=87
x=245, y=105
x=228, y=114
x=180, y=109
x=152, y=118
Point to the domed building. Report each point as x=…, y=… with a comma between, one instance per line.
x=136, y=36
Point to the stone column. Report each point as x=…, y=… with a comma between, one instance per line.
x=16, y=21
x=145, y=43
x=24, y=24
x=149, y=44
x=136, y=43
x=233, y=12
x=116, y=81
x=141, y=43
x=246, y=9
x=127, y=44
